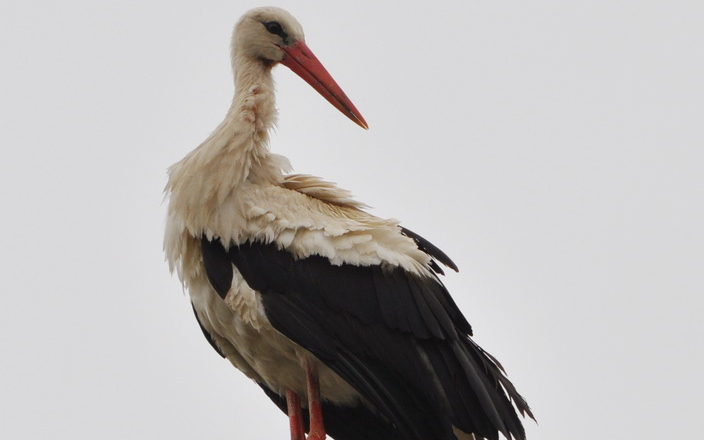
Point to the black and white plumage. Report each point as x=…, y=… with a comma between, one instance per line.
x=288, y=276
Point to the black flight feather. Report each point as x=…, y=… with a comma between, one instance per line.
x=432, y=250
x=398, y=338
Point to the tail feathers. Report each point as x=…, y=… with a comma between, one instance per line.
x=497, y=371
x=498, y=396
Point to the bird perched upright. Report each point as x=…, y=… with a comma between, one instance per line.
x=338, y=315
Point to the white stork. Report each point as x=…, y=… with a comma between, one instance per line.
x=335, y=313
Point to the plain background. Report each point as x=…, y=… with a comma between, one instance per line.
x=552, y=148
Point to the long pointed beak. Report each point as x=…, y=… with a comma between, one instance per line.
x=301, y=60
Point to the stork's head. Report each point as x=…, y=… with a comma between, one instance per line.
x=270, y=36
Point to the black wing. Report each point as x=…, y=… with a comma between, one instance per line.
x=432, y=250
x=341, y=422
x=397, y=338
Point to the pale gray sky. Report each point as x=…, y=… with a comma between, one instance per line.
x=552, y=148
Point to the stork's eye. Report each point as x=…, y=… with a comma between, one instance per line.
x=275, y=28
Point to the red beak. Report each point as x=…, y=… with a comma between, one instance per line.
x=301, y=60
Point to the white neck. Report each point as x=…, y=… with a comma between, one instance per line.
x=237, y=151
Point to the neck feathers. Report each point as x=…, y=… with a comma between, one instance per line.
x=236, y=152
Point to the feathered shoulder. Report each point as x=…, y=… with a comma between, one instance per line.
x=320, y=189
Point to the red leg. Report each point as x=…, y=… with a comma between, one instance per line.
x=317, y=430
x=295, y=418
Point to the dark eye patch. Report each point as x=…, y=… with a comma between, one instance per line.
x=275, y=28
